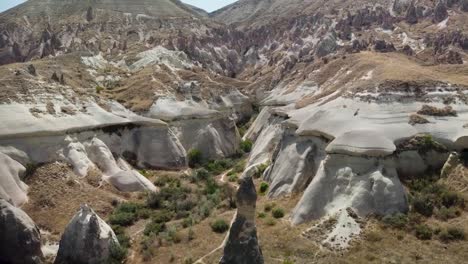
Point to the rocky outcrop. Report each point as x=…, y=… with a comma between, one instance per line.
x=411, y=15
x=20, y=239
x=295, y=164
x=440, y=12
x=464, y=5
x=242, y=244
x=383, y=46
x=87, y=239
x=368, y=185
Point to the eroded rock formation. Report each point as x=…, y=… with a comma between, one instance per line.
x=20, y=239
x=86, y=239
x=242, y=245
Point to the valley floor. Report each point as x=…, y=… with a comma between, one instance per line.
x=55, y=196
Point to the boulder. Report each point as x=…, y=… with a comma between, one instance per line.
x=32, y=70
x=87, y=239
x=20, y=239
x=440, y=12
x=242, y=244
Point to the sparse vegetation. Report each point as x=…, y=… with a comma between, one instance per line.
x=99, y=89
x=434, y=111
x=397, y=220
x=452, y=234
x=423, y=232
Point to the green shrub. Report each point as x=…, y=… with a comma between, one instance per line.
x=123, y=239
x=277, y=213
x=99, y=89
x=162, y=216
x=154, y=200
x=263, y=187
x=117, y=253
x=452, y=234
x=246, y=145
x=450, y=199
x=270, y=222
x=128, y=208
x=260, y=170
x=194, y=157
x=122, y=218
x=423, y=232
x=261, y=215
x=397, y=220
x=191, y=235
x=187, y=222
x=218, y=166
x=423, y=205
x=144, y=213
x=211, y=186
x=154, y=228
x=219, y=226
x=200, y=175
x=269, y=207
x=445, y=213
x=232, y=177
x=239, y=167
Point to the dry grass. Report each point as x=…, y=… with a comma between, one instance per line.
x=55, y=196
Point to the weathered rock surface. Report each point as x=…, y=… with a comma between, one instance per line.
x=368, y=185
x=411, y=15
x=11, y=187
x=242, y=245
x=86, y=239
x=440, y=12
x=20, y=239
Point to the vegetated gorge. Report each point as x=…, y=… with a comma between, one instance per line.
x=269, y=131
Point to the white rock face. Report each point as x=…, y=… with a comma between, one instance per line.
x=126, y=180
x=216, y=138
x=77, y=157
x=20, y=239
x=11, y=187
x=368, y=185
x=267, y=140
x=161, y=55
x=87, y=239
x=295, y=165
x=171, y=109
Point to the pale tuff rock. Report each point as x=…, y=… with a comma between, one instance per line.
x=368, y=185
x=20, y=239
x=87, y=239
x=216, y=138
x=11, y=187
x=295, y=165
x=123, y=179
x=451, y=163
x=160, y=55
x=242, y=245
